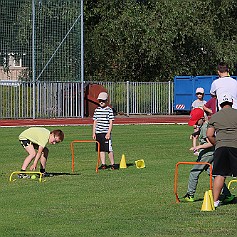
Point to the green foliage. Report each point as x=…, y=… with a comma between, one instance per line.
x=125, y=40
x=155, y=40
x=125, y=202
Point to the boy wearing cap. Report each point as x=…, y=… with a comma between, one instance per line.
x=102, y=127
x=198, y=103
x=205, y=155
x=222, y=132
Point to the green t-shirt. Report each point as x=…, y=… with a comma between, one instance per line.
x=225, y=124
x=37, y=135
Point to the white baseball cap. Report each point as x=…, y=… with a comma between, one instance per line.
x=225, y=97
x=200, y=90
x=102, y=96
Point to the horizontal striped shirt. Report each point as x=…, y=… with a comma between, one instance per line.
x=103, y=117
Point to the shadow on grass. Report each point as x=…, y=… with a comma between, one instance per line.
x=116, y=166
x=234, y=201
x=51, y=174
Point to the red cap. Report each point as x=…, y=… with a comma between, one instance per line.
x=195, y=114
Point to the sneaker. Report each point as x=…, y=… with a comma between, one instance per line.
x=228, y=199
x=189, y=198
x=23, y=176
x=217, y=204
x=103, y=167
x=113, y=167
x=196, y=152
x=45, y=174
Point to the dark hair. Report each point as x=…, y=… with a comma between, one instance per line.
x=223, y=67
x=226, y=103
x=58, y=133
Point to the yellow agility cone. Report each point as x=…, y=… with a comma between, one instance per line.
x=211, y=198
x=123, y=164
x=140, y=164
x=207, y=203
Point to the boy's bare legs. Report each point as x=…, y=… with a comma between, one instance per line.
x=43, y=158
x=217, y=187
x=102, y=157
x=111, y=157
x=32, y=153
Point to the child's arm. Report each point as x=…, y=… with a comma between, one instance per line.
x=37, y=157
x=93, y=131
x=107, y=136
x=203, y=146
x=207, y=109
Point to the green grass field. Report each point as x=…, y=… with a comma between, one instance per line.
x=125, y=202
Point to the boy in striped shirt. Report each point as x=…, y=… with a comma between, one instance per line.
x=102, y=127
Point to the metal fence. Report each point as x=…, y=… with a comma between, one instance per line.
x=41, y=65
x=63, y=99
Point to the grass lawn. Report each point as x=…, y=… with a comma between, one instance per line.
x=125, y=202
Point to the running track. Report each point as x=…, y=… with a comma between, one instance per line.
x=119, y=120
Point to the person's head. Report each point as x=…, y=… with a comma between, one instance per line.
x=197, y=117
x=225, y=100
x=102, y=98
x=222, y=69
x=200, y=93
x=56, y=136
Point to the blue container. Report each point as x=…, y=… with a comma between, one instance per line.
x=185, y=90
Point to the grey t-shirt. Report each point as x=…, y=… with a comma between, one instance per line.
x=198, y=104
x=225, y=125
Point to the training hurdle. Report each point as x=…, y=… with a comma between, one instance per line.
x=26, y=172
x=85, y=141
x=231, y=181
x=188, y=163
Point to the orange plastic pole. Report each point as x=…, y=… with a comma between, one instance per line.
x=83, y=141
x=188, y=163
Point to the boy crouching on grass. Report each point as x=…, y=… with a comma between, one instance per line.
x=36, y=138
x=102, y=127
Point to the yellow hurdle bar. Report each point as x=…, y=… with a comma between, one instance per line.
x=231, y=181
x=26, y=172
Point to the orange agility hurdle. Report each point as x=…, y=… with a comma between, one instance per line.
x=188, y=163
x=85, y=141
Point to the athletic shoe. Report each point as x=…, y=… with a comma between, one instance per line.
x=228, y=199
x=103, y=167
x=23, y=176
x=217, y=204
x=196, y=152
x=113, y=167
x=45, y=174
x=189, y=198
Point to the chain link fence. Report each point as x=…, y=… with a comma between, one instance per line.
x=41, y=65
x=40, y=40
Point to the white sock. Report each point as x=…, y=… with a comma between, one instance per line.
x=216, y=203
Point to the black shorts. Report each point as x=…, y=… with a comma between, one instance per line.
x=105, y=145
x=225, y=161
x=27, y=142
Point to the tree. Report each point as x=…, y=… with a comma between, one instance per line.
x=156, y=40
